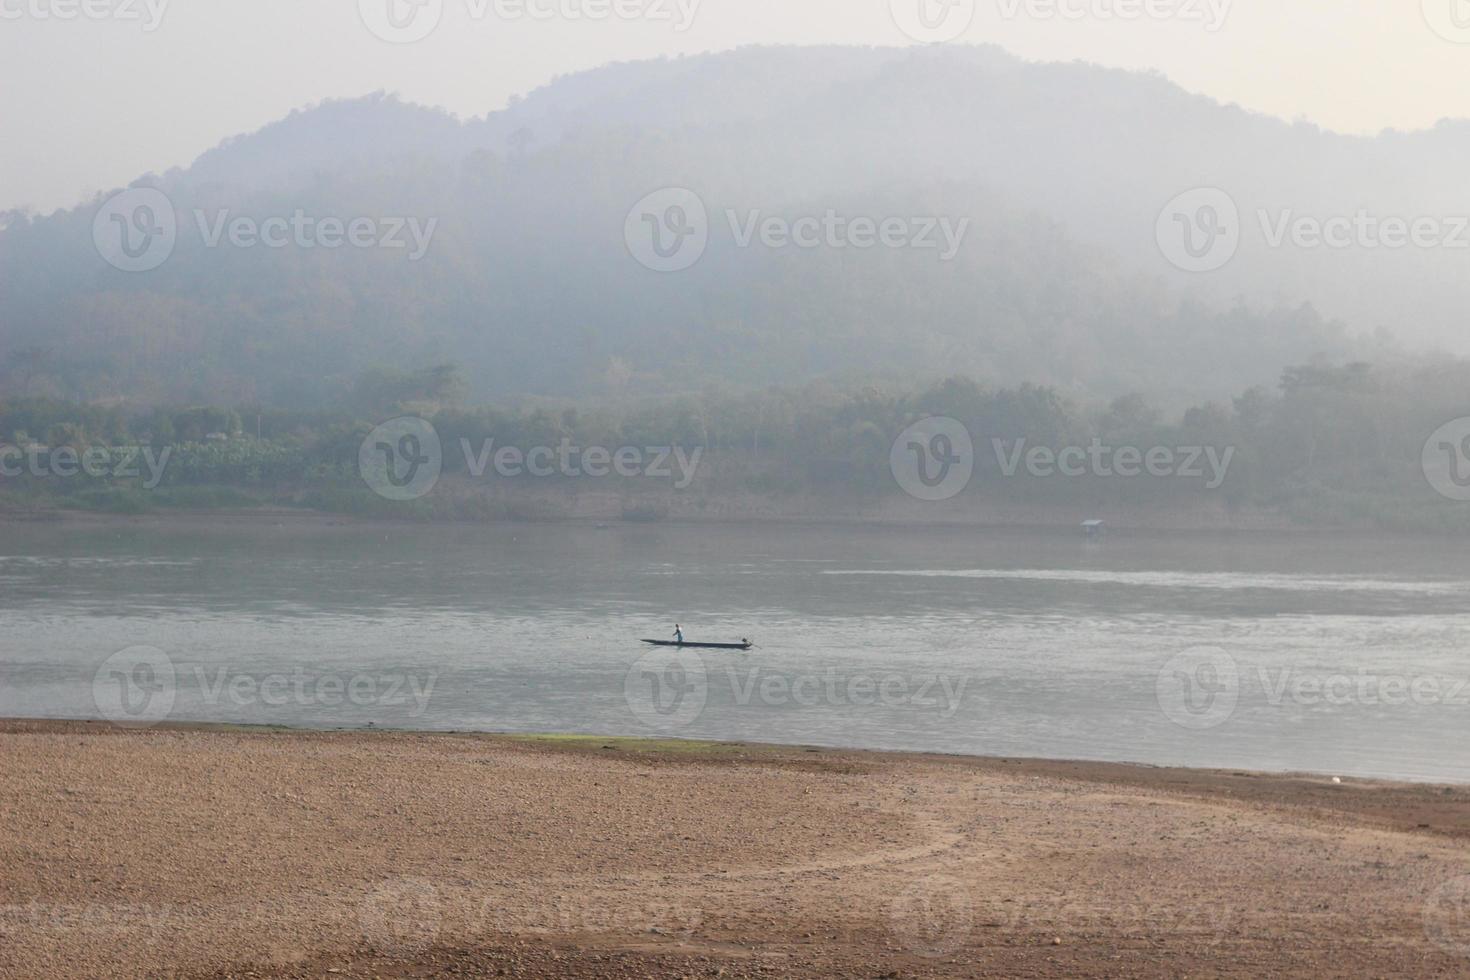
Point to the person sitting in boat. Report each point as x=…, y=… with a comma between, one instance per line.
x=678, y=634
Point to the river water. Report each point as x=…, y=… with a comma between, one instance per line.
x=1334, y=654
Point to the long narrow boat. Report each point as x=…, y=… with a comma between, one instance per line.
x=701, y=646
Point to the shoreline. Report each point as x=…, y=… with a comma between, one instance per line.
x=1081, y=767
x=312, y=520
x=1445, y=802
x=189, y=851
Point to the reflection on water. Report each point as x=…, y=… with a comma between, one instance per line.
x=1183, y=580
x=1341, y=655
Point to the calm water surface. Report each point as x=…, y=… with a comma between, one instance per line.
x=1330, y=654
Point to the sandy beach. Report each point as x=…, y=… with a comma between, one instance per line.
x=224, y=853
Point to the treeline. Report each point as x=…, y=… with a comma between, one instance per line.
x=1330, y=445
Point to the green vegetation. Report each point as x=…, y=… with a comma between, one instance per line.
x=1333, y=446
x=670, y=747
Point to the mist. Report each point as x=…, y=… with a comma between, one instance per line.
x=669, y=488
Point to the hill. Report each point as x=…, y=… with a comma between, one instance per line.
x=1055, y=173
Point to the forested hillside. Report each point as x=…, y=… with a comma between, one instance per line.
x=527, y=282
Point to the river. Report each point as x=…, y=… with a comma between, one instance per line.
x=1334, y=654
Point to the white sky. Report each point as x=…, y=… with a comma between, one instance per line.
x=89, y=103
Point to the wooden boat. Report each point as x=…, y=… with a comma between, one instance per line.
x=701, y=646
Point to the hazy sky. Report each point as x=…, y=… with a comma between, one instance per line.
x=96, y=92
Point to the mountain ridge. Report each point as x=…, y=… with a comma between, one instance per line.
x=1058, y=167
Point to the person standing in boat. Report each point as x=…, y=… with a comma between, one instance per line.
x=678, y=634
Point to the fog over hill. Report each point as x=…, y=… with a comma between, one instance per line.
x=1055, y=177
